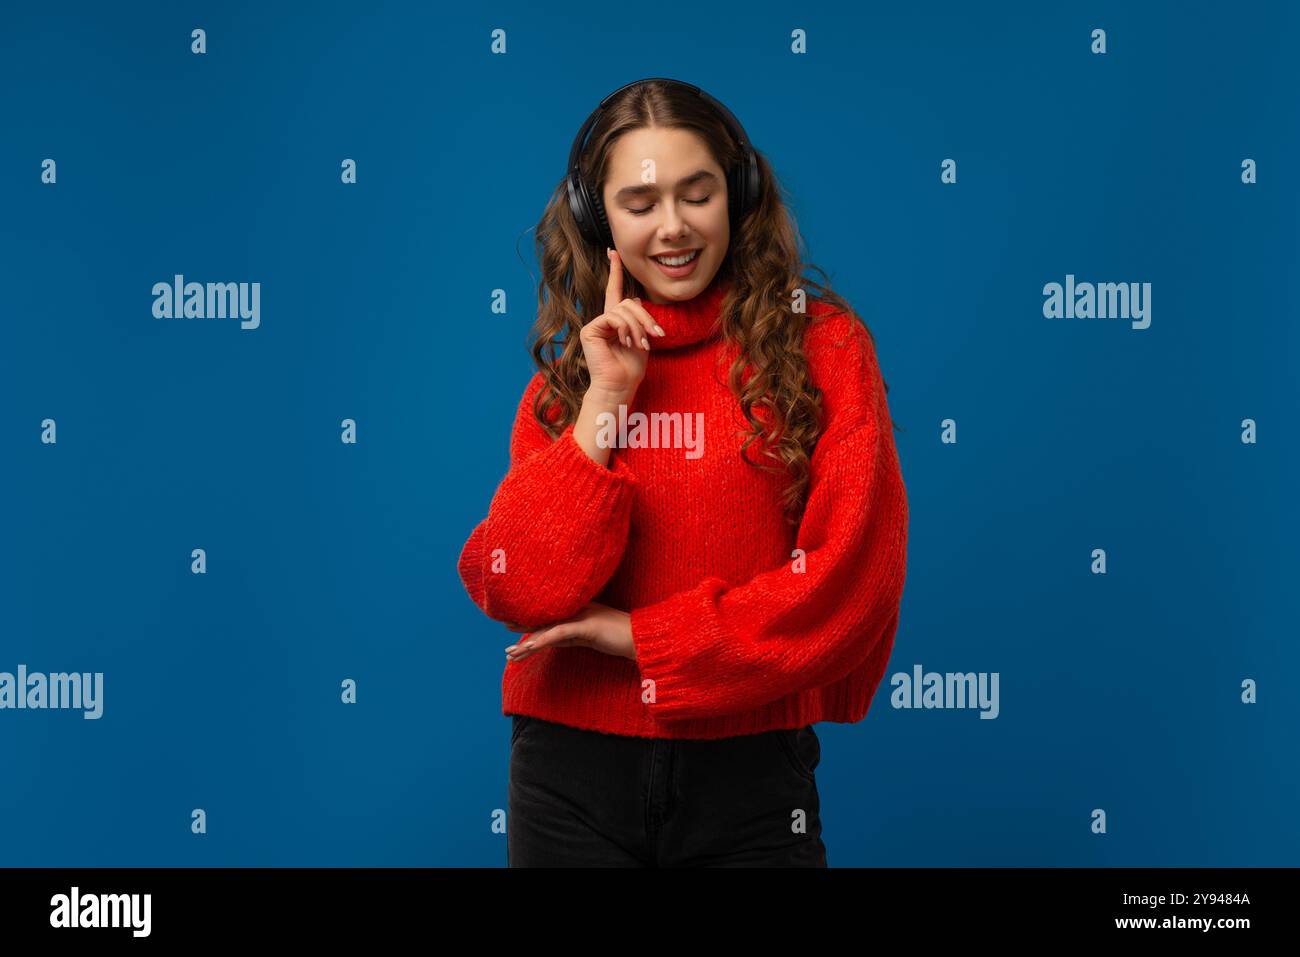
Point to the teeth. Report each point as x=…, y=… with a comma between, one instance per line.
x=678, y=260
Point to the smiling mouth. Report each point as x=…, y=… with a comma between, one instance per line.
x=677, y=259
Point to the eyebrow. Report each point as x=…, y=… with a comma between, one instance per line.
x=628, y=192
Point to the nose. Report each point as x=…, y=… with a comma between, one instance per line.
x=673, y=225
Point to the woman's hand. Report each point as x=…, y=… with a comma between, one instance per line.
x=597, y=626
x=616, y=343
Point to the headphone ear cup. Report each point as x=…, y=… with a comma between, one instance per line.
x=733, y=199
x=589, y=213
x=738, y=194
x=601, y=222
x=580, y=209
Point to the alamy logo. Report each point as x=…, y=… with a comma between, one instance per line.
x=1105, y=300
x=951, y=690
x=102, y=910
x=56, y=690
x=213, y=300
x=666, y=430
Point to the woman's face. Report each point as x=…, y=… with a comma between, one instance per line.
x=665, y=195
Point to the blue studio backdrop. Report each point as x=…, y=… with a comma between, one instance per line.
x=1102, y=509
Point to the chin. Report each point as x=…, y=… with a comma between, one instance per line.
x=679, y=293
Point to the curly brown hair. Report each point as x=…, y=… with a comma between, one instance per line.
x=759, y=311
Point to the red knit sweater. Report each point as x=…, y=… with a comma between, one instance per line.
x=735, y=631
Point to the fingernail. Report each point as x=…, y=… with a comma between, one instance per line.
x=645, y=343
x=659, y=329
x=510, y=649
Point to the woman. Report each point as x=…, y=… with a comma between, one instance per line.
x=702, y=533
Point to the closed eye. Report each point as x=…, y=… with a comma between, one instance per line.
x=693, y=202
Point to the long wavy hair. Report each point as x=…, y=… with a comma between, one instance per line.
x=769, y=375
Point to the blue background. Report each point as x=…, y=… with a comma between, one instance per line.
x=327, y=561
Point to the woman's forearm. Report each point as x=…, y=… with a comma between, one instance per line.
x=594, y=403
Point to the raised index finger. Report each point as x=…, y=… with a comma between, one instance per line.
x=614, y=289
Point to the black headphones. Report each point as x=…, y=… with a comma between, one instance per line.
x=588, y=209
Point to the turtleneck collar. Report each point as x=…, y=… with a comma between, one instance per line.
x=692, y=321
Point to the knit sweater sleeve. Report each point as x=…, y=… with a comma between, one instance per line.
x=555, y=529
x=715, y=649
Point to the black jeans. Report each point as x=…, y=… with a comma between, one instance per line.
x=581, y=798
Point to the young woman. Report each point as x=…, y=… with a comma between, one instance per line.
x=702, y=532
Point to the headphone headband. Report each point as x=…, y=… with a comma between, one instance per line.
x=589, y=210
